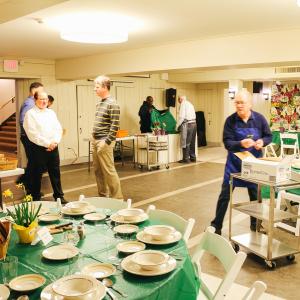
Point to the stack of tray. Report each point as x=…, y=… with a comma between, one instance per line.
x=158, y=146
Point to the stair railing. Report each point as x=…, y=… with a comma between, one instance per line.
x=6, y=111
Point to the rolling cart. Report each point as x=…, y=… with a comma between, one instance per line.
x=261, y=244
x=157, y=144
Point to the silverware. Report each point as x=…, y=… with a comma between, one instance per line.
x=109, y=284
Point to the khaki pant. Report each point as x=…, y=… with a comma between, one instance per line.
x=107, y=178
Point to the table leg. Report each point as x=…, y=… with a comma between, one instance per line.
x=1, y=204
x=133, y=153
x=121, y=152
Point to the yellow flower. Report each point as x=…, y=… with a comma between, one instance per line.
x=7, y=193
x=20, y=185
x=28, y=198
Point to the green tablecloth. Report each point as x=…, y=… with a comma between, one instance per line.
x=100, y=242
x=276, y=138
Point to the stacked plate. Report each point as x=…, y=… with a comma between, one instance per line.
x=129, y=215
x=159, y=235
x=74, y=287
x=78, y=208
x=60, y=252
x=149, y=263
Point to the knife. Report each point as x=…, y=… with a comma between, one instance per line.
x=62, y=225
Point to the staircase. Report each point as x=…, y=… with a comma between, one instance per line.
x=8, y=135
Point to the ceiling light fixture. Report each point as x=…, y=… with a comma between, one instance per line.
x=94, y=28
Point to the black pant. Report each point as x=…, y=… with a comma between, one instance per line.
x=26, y=178
x=222, y=205
x=46, y=160
x=189, y=151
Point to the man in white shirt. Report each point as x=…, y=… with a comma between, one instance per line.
x=187, y=127
x=44, y=132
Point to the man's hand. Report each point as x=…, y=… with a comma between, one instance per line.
x=259, y=144
x=52, y=146
x=247, y=143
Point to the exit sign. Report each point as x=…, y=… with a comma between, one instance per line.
x=10, y=65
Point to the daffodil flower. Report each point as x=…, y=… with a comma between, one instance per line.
x=20, y=185
x=28, y=198
x=7, y=193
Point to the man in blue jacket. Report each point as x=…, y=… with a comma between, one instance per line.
x=245, y=130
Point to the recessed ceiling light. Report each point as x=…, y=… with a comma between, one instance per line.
x=91, y=27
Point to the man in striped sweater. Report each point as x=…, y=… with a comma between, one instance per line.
x=106, y=125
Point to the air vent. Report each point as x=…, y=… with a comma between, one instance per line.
x=287, y=70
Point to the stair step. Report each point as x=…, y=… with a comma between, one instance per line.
x=7, y=139
x=11, y=123
x=7, y=146
x=8, y=128
x=8, y=134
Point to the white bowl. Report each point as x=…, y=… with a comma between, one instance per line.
x=77, y=206
x=150, y=259
x=160, y=232
x=75, y=287
x=130, y=214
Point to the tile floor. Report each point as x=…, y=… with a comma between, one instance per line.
x=189, y=190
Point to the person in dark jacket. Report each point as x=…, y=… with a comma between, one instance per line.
x=145, y=115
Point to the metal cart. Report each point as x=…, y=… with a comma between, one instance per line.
x=261, y=244
x=156, y=144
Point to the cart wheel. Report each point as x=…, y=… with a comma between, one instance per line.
x=158, y=167
x=290, y=257
x=235, y=247
x=140, y=167
x=167, y=167
x=149, y=169
x=270, y=264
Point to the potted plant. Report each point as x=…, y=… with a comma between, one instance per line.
x=24, y=215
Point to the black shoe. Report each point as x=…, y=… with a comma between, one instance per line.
x=217, y=230
x=253, y=227
x=193, y=159
x=184, y=161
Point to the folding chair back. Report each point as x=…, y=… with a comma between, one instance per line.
x=269, y=151
x=170, y=218
x=232, y=262
x=289, y=141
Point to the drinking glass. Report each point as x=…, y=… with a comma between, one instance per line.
x=9, y=268
x=71, y=237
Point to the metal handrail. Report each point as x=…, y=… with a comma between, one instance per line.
x=12, y=100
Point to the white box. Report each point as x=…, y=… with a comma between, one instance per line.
x=266, y=170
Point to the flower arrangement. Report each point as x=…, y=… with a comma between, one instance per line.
x=25, y=213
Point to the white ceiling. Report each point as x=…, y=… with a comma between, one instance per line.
x=165, y=21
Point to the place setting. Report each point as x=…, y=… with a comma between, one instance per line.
x=78, y=208
x=149, y=263
x=159, y=235
x=129, y=216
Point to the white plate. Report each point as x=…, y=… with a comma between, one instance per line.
x=60, y=252
x=49, y=294
x=130, y=214
x=94, y=217
x=67, y=211
x=76, y=286
x=126, y=229
x=128, y=265
x=119, y=219
x=160, y=232
x=150, y=259
x=147, y=239
x=99, y=270
x=27, y=283
x=4, y=292
x=130, y=247
x=49, y=218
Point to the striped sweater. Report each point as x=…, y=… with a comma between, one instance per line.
x=107, y=120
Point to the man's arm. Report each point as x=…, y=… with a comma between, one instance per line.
x=114, y=112
x=181, y=114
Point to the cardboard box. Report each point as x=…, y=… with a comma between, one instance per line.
x=265, y=169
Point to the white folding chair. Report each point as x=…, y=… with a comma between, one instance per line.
x=111, y=203
x=232, y=262
x=287, y=198
x=293, y=139
x=269, y=151
x=184, y=226
x=255, y=291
